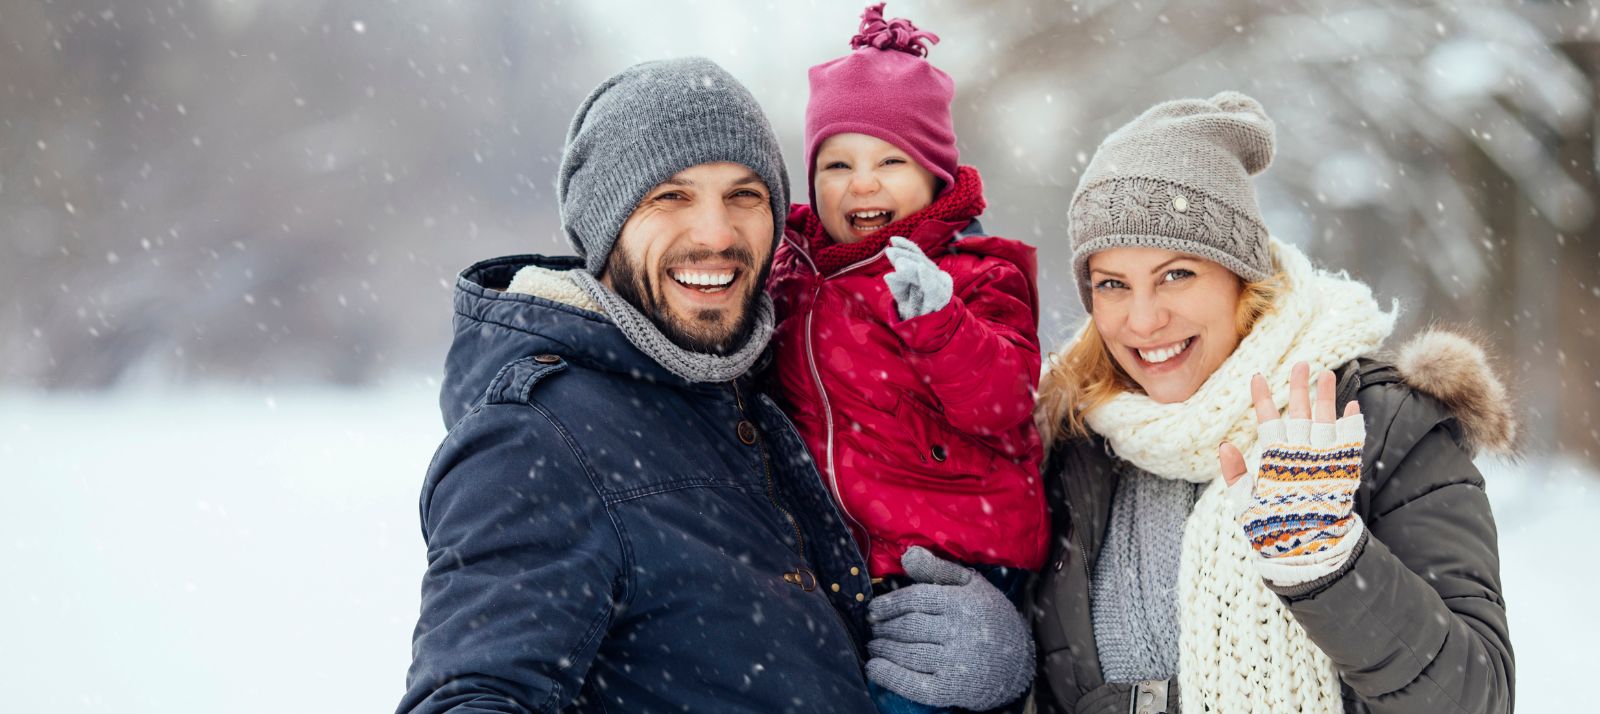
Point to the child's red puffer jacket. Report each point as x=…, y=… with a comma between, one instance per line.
x=922, y=428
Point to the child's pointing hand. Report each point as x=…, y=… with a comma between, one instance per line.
x=918, y=285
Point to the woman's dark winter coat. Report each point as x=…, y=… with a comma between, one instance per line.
x=1416, y=622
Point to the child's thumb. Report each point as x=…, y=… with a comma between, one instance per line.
x=925, y=567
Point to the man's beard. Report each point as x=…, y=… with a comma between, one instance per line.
x=699, y=332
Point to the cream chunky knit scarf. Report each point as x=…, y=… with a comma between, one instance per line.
x=1239, y=648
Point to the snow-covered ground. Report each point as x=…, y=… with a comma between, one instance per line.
x=241, y=551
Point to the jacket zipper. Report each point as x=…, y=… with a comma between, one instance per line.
x=827, y=408
x=1083, y=557
x=1075, y=506
x=772, y=486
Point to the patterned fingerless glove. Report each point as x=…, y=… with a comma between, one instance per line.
x=1298, y=509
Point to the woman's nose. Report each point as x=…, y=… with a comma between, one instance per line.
x=1147, y=315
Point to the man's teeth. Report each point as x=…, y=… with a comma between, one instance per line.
x=703, y=278
x=1165, y=353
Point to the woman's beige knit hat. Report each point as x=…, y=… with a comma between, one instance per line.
x=1178, y=177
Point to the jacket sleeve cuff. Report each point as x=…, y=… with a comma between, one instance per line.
x=1310, y=588
x=926, y=334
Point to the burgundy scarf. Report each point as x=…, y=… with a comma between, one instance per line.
x=963, y=201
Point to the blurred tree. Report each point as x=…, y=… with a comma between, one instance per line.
x=248, y=191
x=236, y=190
x=1442, y=151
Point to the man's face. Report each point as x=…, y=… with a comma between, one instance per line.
x=693, y=256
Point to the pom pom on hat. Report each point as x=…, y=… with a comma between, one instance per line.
x=897, y=34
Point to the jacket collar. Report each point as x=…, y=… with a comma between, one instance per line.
x=494, y=327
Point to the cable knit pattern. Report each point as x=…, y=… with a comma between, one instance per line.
x=1134, y=605
x=1157, y=213
x=1178, y=177
x=1240, y=649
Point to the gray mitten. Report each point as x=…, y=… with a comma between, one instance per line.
x=918, y=285
x=952, y=640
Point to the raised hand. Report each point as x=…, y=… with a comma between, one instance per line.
x=918, y=285
x=1297, y=510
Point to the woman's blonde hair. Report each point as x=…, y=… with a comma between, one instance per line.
x=1087, y=376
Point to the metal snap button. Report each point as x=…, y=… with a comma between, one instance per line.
x=747, y=432
x=938, y=453
x=546, y=359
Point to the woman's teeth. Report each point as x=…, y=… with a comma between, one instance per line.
x=1165, y=353
x=869, y=221
x=704, y=280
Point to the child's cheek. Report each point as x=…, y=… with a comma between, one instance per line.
x=825, y=199
x=930, y=185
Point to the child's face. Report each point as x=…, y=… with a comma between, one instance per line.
x=864, y=183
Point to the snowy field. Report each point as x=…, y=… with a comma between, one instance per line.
x=238, y=551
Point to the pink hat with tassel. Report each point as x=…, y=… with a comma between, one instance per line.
x=885, y=88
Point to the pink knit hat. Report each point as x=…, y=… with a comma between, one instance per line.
x=885, y=89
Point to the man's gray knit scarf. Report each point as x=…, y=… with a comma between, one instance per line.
x=692, y=366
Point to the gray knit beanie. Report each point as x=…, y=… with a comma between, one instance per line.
x=1178, y=177
x=645, y=124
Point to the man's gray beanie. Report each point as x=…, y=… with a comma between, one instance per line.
x=1178, y=177
x=645, y=124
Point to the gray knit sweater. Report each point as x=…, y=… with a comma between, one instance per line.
x=1134, y=600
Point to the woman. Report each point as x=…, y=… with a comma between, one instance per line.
x=1351, y=565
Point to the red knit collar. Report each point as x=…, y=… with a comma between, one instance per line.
x=961, y=202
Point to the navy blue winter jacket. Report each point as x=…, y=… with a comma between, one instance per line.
x=605, y=536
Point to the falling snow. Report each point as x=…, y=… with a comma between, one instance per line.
x=230, y=231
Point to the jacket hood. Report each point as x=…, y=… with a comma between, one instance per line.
x=1024, y=256
x=523, y=305
x=1455, y=369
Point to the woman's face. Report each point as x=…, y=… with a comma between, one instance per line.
x=1167, y=317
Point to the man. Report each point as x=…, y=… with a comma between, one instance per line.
x=617, y=521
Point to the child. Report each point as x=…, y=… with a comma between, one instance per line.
x=907, y=347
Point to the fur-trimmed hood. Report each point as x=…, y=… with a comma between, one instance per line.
x=1456, y=370
x=556, y=285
